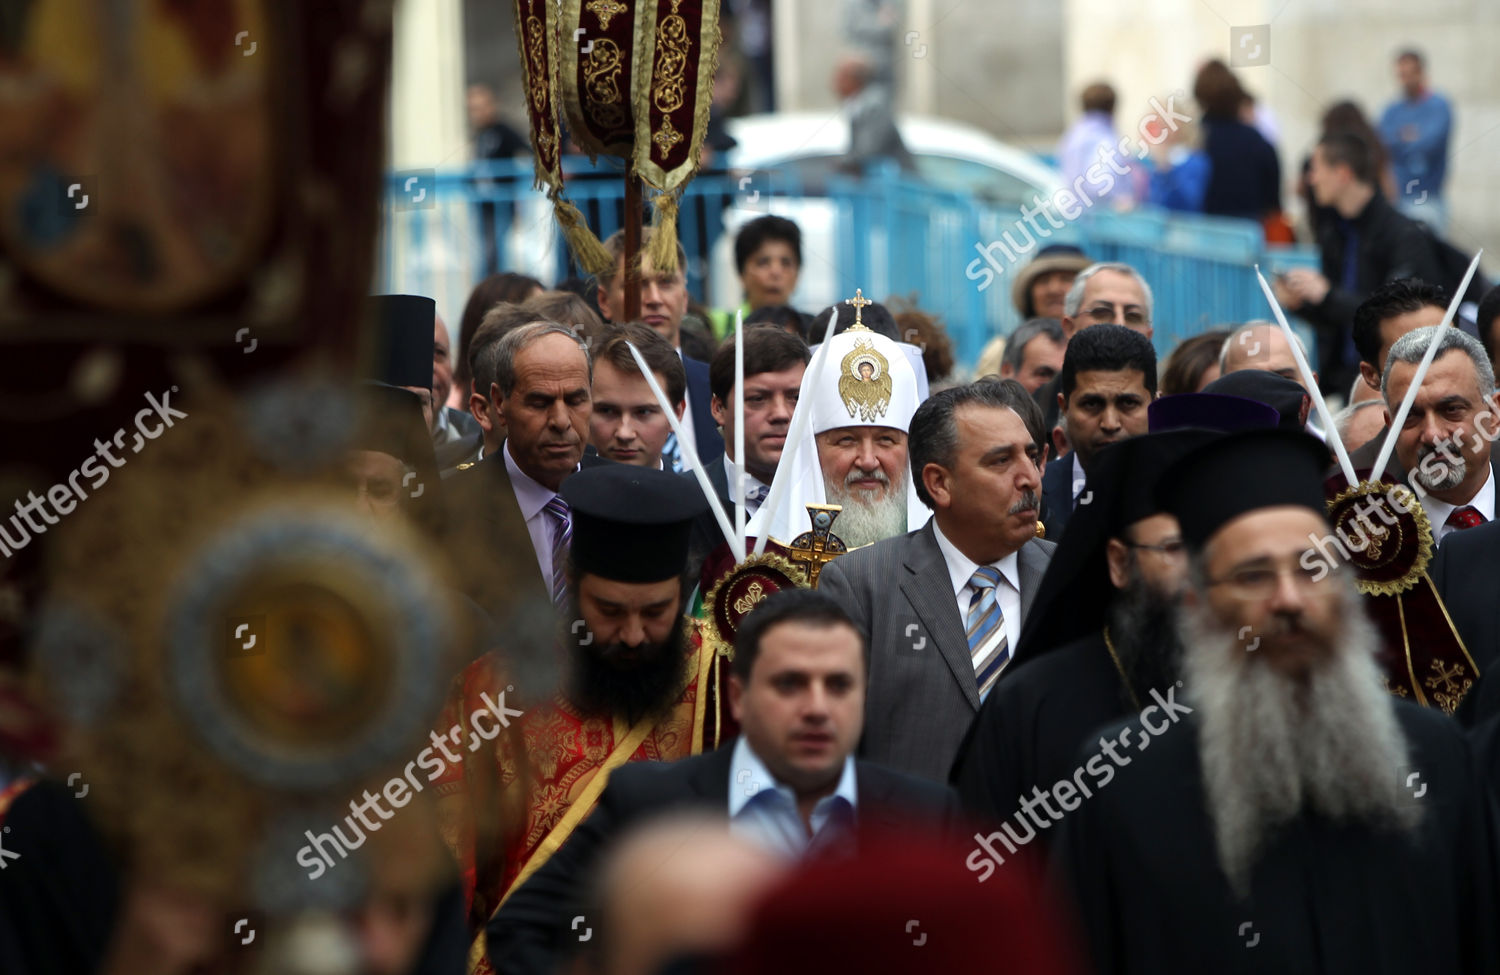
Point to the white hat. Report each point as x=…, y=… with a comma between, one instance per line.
x=865, y=380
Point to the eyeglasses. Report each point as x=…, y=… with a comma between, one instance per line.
x=1172, y=548
x=1257, y=582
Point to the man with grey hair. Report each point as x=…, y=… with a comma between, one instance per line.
x=1286, y=805
x=1262, y=345
x=1445, y=443
x=1108, y=294
x=943, y=605
x=508, y=502
x=1034, y=355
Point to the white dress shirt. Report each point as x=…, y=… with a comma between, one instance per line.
x=1438, y=510
x=1079, y=478
x=687, y=414
x=752, y=484
x=961, y=569
x=764, y=811
x=533, y=497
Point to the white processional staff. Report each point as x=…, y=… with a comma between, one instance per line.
x=1421, y=374
x=739, y=434
x=801, y=419
x=1330, y=428
x=689, y=455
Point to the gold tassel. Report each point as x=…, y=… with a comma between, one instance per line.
x=586, y=248
x=662, y=251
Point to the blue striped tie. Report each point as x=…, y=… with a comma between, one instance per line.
x=562, y=538
x=985, y=625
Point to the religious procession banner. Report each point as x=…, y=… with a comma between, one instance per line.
x=541, y=50
x=635, y=80
x=680, y=42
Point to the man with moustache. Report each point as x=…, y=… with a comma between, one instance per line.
x=634, y=685
x=1101, y=635
x=855, y=454
x=1291, y=815
x=1445, y=443
x=1108, y=380
x=945, y=603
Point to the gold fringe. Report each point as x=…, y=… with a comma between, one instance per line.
x=662, y=251
x=586, y=248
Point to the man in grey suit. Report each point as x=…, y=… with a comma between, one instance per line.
x=943, y=605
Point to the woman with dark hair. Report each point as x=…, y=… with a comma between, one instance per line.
x=1245, y=175
x=1194, y=363
x=1346, y=116
x=507, y=287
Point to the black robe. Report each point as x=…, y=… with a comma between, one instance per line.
x=1031, y=726
x=1140, y=863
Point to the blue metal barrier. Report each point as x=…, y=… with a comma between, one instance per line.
x=891, y=236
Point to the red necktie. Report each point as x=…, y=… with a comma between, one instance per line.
x=1465, y=517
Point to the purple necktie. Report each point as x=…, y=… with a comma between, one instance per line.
x=562, y=537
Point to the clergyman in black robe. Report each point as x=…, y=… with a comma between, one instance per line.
x=1300, y=819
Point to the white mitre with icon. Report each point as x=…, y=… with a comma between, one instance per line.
x=861, y=379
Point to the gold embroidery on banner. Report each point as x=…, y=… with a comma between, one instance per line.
x=865, y=382
x=754, y=593
x=666, y=137
x=605, y=10
x=672, y=48
x=602, y=78
x=1447, y=691
x=536, y=78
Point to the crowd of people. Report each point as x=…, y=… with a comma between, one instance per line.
x=799, y=644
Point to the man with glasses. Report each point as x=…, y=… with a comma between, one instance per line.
x=1299, y=818
x=1108, y=294
x=1101, y=636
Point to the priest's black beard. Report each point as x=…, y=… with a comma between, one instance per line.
x=1273, y=748
x=602, y=682
x=1143, y=628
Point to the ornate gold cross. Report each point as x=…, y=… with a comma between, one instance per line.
x=814, y=549
x=859, y=301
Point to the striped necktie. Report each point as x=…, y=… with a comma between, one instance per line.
x=985, y=624
x=562, y=538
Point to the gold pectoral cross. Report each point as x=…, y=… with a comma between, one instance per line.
x=814, y=549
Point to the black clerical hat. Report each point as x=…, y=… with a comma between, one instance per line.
x=1210, y=411
x=1285, y=396
x=391, y=422
x=1076, y=590
x=1240, y=473
x=404, y=326
x=631, y=524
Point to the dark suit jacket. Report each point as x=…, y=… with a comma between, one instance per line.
x=1466, y=573
x=922, y=691
x=527, y=935
x=489, y=541
x=706, y=534
x=463, y=450
x=709, y=442
x=1057, y=496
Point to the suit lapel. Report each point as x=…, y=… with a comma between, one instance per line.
x=1057, y=492
x=1033, y=565
x=926, y=587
